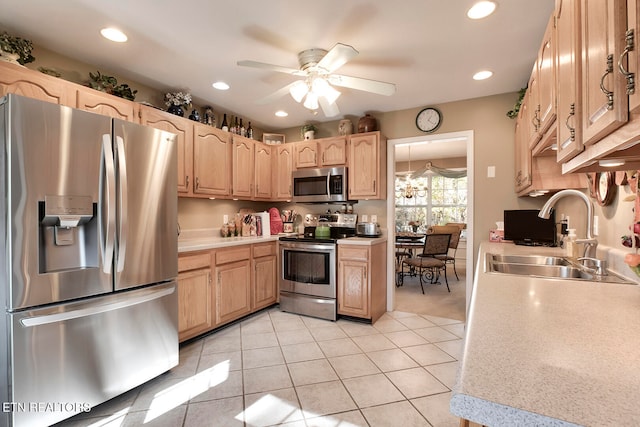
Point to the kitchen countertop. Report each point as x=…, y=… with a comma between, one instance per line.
x=552, y=352
x=199, y=240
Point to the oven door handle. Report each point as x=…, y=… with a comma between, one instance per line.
x=309, y=247
x=329, y=184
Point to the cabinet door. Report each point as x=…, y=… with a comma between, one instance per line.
x=333, y=151
x=233, y=290
x=353, y=289
x=306, y=154
x=263, y=171
x=284, y=167
x=364, y=167
x=264, y=282
x=604, y=98
x=547, y=79
x=243, y=166
x=211, y=161
x=569, y=79
x=195, y=304
x=183, y=128
x=107, y=105
x=522, y=151
x=36, y=85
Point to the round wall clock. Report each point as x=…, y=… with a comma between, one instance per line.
x=429, y=119
x=605, y=188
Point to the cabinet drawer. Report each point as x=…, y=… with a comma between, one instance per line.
x=194, y=261
x=359, y=253
x=265, y=249
x=227, y=255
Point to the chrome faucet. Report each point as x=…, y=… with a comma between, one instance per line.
x=590, y=242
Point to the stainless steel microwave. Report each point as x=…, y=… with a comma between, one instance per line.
x=320, y=185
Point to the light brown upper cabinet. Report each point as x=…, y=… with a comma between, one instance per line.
x=183, y=128
x=33, y=84
x=263, y=168
x=243, y=167
x=211, y=161
x=569, y=79
x=367, y=166
x=282, y=175
x=522, y=150
x=107, y=105
x=605, y=104
x=323, y=152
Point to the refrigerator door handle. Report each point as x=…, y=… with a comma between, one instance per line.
x=108, y=197
x=122, y=204
x=123, y=302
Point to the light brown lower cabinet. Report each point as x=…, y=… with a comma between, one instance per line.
x=362, y=290
x=195, y=295
x=265, y=267
x=222, y=285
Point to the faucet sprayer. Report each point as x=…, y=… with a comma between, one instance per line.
x=590, y=242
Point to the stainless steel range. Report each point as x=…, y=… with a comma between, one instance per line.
x=308, y=265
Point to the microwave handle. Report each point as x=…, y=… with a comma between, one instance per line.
x=329, y=184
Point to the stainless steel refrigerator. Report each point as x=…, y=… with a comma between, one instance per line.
x=88, y=258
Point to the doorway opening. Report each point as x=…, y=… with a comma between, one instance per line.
x=426, y=149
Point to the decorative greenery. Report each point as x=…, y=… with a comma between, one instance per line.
x=512, y=114
x=49, y=71
x=180, y=99
x=110, y=85
x=307, y=128
x=18, y=45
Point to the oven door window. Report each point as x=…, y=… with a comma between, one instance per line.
x=307, y=267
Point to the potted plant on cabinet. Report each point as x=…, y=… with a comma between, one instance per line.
x=308, y=131
x=15, y=49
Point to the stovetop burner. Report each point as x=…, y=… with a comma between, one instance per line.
x=341, y=226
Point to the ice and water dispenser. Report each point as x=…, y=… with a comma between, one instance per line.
x=68, y=233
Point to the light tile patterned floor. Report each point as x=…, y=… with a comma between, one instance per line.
x=277, y=368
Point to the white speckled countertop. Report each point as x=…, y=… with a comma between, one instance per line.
x=549, y=352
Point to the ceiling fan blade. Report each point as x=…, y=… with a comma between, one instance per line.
x=272, y=67
x=275, y=95
x=329, y=109
x=373, y=86
x=337, y=57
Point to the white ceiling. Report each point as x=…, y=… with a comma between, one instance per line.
x=428, y=48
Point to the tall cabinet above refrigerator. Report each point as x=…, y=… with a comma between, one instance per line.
x=89, y=258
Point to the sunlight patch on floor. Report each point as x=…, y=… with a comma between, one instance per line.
x=185, y=390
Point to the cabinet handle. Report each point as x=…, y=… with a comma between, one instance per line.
x=631, y=83
x=209, y=277
x=197, y=182
x=604, y=90
x=572, y=131
x=535, y=121
x=187, y=181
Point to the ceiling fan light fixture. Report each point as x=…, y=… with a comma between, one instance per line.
x=311, y=102
x=298, y=90
x=321, y=87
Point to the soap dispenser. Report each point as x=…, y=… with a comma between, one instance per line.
x=570, y=245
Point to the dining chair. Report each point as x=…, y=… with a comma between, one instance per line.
x=456, y=231
x=426, y=265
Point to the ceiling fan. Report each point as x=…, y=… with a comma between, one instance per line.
x=316, y=89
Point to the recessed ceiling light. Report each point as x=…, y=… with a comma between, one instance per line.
x=481, y=9
x=220, y=85
x=281, y=113
x=114, y=35
x=482, y=75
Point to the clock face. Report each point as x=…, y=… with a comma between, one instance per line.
x=428, y=119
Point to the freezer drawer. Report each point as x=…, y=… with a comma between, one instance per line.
x=85, y=353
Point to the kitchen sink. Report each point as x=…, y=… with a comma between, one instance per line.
x=548, y=266
x=528, y=259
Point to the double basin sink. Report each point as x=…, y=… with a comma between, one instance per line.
x=547, y=266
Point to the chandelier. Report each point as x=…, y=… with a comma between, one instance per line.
x=411, y=187
x=312, y=89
